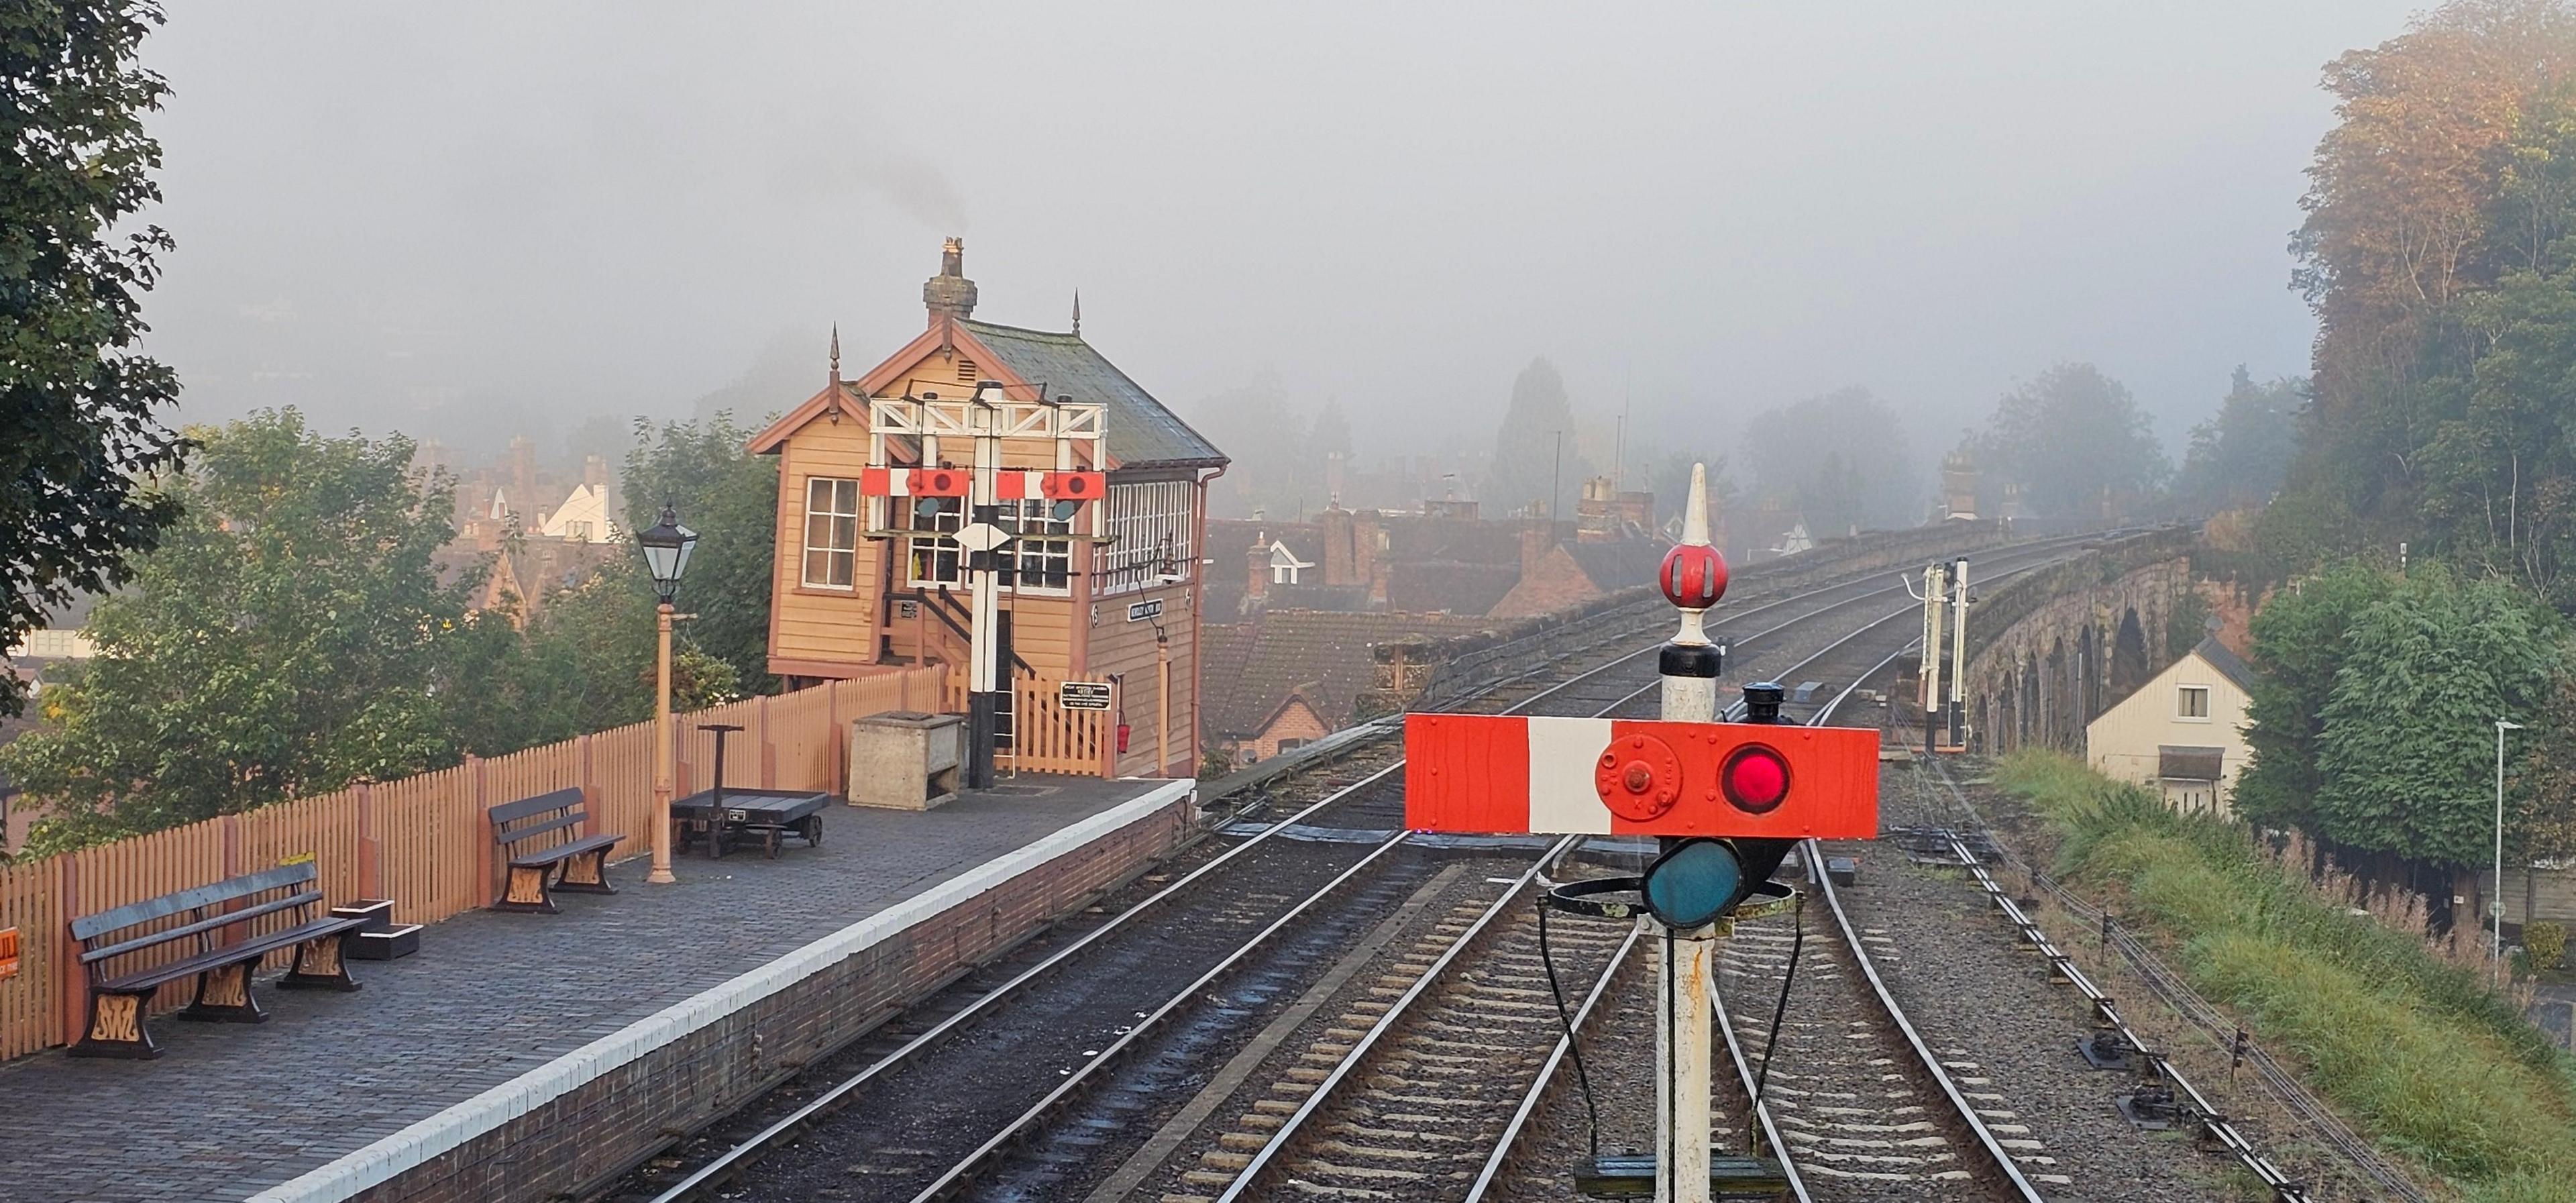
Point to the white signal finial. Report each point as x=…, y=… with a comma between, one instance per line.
x=1695, y=511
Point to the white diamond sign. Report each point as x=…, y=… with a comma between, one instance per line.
x=982, y=536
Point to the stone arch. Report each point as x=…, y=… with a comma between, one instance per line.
x=2128, y=655
x=2028, y=674
x=2088, y=676
x=2057, y=696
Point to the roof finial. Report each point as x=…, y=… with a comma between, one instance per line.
x=836, y=352
x=1077, y=311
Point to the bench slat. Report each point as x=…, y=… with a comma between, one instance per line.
x=563, y=852
x=559, y=799
x=185, y=930
x=500, y=836
x=87, y=927
x=251, y=949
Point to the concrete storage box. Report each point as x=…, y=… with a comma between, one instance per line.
x=906, y=760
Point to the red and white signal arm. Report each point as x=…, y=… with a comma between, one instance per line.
x=1074, y=486
x=913, y=482
x=1510, y=774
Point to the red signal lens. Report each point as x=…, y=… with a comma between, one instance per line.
x=1756, y=779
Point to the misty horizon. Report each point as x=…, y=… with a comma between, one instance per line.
x=470, y=223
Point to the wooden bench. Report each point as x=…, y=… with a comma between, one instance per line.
x=117, y=1001
x=542, y=837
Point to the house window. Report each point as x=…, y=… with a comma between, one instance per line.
x=2192, y=701
x=936, y=559
x=1150, y=529
x=831, y=532
x=1032, y=564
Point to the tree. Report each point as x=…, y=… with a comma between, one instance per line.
x=2372, y=722
x=584, y=664
x=2074, y=438
x=2239, y=456
x=2406, y=759
x=285, y=638
x=730, y=497
x=79, y=439
x=1535, y=463
x=1807, y=456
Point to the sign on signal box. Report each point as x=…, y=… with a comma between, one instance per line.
x=1514, y=774
x=1083, y=695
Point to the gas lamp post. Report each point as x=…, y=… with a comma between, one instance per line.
x=666, y=555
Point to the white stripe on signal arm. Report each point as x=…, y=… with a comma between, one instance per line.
x=1563, y=797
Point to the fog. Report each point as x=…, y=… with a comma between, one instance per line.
x=463, y=221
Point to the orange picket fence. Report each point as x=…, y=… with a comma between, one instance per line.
x=1040, y=735
x=422, y=840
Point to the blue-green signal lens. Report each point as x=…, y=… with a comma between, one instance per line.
x=1691, y=885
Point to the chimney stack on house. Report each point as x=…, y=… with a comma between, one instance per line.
x=950, y=293
x=1341, y=559
x=1256, y=586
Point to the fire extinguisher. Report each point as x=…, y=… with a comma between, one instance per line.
x=1118, y=681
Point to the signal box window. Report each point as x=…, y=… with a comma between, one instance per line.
x=831, y=532
x=2192, y=702
x=936, y=558
x=1033, y=563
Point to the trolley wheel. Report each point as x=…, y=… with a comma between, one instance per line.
x=813, y=831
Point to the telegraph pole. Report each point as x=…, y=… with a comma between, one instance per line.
x=1959, y=653
x=1935, y=584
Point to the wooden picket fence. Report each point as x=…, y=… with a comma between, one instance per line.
x=422, y=840
x=1046, y=737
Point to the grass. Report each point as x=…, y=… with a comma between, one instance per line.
x=2415, y=1049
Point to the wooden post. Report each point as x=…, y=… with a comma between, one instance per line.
x=768, y=747
x=486, y=851
x=1163, y=704
x=369, y=872
x=71, y=984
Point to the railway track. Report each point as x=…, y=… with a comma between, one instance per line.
x=961, y=1104
x=1420, y=1089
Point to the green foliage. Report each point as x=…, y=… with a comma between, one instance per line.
x=2239, y=457
x=285, y=638
x=79, y=437
x=2547, y=944
x=730, y=497
x=1535, y=462
x=2373, y=721
x=2433, y=1065
x=1804, y=455
x=2075, y=440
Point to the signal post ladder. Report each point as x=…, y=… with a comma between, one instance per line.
x=1725, y=801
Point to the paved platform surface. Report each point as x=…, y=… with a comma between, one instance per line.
x=229, y=1110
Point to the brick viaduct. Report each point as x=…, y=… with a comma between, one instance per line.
x=2048, y=652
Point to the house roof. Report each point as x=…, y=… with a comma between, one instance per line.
x=1253, y=667
x=1141, y=432
x=2228, y=663
x=1618, y=565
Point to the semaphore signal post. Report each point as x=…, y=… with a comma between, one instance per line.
x=1725, y=803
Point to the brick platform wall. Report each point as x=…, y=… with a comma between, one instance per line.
x=601, y=1129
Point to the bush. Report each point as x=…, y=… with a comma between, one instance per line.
x=2547, y=944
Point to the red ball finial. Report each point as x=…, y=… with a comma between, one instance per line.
x=1693, y=576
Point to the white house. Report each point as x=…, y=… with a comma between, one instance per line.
x=2182, y=733
x=582, y=518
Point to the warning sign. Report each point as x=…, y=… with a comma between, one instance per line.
x=1083, y=695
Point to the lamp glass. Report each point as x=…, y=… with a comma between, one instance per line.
x=667, y=545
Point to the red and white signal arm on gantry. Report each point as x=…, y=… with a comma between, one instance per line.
x=1508, y=774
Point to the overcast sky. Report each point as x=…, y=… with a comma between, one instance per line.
x=460, y=220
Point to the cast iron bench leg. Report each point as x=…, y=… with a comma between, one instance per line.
x=587, y=873
x=527, y=890
x=321, y=964
x=116, y=1029
x=223, y=996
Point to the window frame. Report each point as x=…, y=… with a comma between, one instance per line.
x=2182, y=693
x=1148, y=524
x=837, y=522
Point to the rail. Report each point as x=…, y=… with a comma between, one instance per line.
x=2186, y=1003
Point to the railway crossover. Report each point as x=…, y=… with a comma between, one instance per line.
x=1045, y=1080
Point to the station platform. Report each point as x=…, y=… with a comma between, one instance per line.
x=524, y=1056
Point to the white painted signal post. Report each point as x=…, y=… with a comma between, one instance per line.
x=1725, y=802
